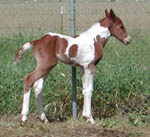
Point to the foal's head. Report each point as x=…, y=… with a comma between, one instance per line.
x=116, y=27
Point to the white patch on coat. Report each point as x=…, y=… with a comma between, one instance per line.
x=87, y=81
x=68, y=38
x=25, y=107
x=38, y=86
x=85, y=43
x=27, y=46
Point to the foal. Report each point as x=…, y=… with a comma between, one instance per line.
x=84, y=51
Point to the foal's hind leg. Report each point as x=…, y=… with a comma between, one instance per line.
x=29, y=80
x=25, y=106
x=38, y=86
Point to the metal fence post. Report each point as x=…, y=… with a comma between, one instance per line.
x=74, y=98
x=62, y=19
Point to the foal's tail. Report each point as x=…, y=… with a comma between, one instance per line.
x=21, y=50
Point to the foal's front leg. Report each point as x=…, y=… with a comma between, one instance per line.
x=87, y=81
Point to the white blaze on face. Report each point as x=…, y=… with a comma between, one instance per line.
x=85, y=43
x=127, y=40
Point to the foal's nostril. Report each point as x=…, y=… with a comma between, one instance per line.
x=127, y=40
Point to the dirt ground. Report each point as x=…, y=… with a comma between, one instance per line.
x=10, y=127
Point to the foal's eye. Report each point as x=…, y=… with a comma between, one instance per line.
x=121, y=27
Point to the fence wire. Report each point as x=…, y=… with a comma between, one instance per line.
x=44, y=15
x=35, y=16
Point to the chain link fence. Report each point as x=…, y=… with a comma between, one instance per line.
x=113, y=91
x=44, y=15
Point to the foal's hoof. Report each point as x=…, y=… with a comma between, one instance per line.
x=43, y=118
x=91, y=121
x=22, y=123
x=44, y=121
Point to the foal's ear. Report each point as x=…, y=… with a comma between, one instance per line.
x=106, y=13
x=112, y=14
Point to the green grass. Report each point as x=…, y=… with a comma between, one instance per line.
x=121, y=81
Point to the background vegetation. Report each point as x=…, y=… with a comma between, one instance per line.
x=121, y=81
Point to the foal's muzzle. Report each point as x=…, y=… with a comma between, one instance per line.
x=127, y=40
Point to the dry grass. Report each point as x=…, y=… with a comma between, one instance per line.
x=70, y=128
x=45, y=16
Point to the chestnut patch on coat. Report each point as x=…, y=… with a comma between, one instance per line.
x=45, y=50
x=99, y=45
x=73, y=51
x=61, y=45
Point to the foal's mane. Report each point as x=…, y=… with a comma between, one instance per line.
x=101, y=20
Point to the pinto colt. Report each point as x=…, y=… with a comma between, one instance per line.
x=84, y=51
